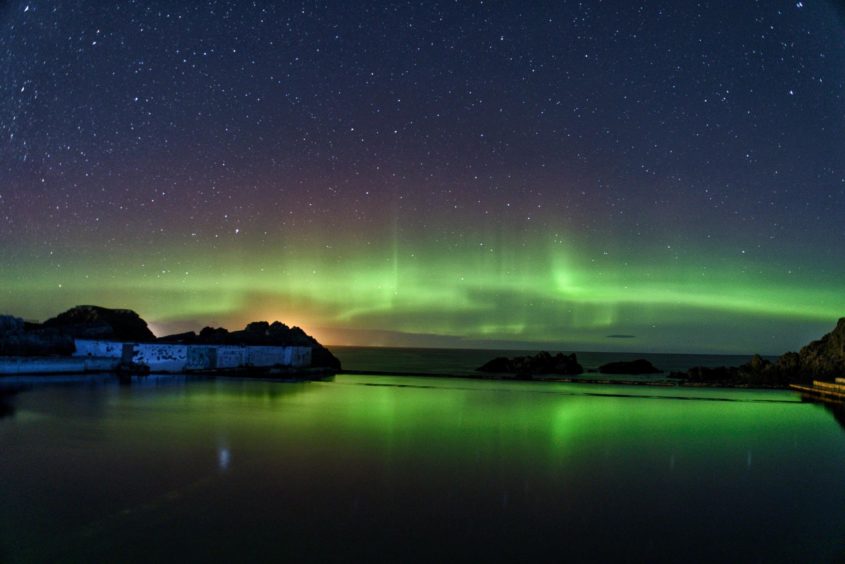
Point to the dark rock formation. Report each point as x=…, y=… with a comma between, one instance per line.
x=10, y=324
x=824, y=358
x=179, y=338
x=499, y=365
x=261, y=333
x=821, y=359
x=39, y=342
x=728, y=375
x=55, y=336
x=94, y=322
x=213, y=335
x=638, y=366
x=757, y=372
x=541, y=363
x=19, y=338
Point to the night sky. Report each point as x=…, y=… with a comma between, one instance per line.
x=649, y=176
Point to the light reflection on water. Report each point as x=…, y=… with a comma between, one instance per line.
x=390, y=468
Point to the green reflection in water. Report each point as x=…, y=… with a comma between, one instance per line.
x=254, y=469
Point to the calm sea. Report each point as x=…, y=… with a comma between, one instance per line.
x=414, y=469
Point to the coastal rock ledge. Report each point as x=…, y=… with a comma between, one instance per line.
x=527, y=366
x=822, y=359
x=55, y=337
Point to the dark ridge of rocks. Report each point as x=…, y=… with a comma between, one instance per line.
x=94, y=322
x=824, y=358
x=634, y=367
x=708, y=375
x=528, y=366
x=179, y=338
x=10, y=324
x=21, y=338
x=260, y=333
x=821, y=359
x=55, y=336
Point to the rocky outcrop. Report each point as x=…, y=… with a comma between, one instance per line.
x=94, y=322
x=635, y=367
x=55, y=336
x=18, y=338
x=10, y=324
x=541, y=363
x=824, y=358
x=261, y=333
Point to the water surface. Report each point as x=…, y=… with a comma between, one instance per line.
x=416, y=469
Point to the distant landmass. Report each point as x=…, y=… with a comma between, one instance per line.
x=820, y=359
x=55, y=336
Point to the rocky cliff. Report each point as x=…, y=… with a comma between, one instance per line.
x=94, y=322
x=55, y=336
x=824, y=358
x=261, y=333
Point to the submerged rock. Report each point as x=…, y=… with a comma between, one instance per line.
x=638, y=366
x=541, y=363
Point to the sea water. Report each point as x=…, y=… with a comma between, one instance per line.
x=426, y=469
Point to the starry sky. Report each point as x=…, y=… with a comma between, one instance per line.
x=607, y=175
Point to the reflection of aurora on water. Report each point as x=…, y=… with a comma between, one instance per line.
x=225, y=465
x=836, y=409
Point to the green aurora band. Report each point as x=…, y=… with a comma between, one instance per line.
x=522, y=296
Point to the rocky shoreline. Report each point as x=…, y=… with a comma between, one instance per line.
x=819, y=360
x=51, y=346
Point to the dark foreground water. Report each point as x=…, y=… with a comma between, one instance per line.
x=394, y=469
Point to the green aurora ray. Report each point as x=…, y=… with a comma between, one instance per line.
x=524, y=296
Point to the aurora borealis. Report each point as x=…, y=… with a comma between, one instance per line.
x=588, y=176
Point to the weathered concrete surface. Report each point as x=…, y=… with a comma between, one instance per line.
x=168, y=357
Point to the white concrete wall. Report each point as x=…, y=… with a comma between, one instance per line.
x=265, y=356
x=231, y=356
x=168, y=357
x=297, y=357
x=201, y=357
x=106, y=349
x=161, y=358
